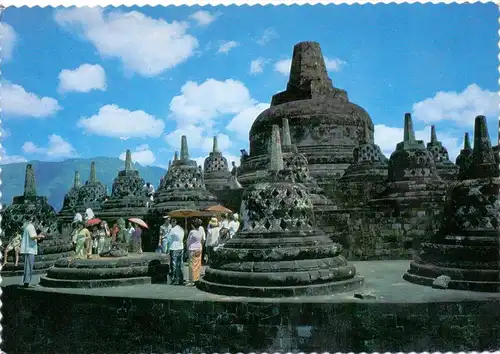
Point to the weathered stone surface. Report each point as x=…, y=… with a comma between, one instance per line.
x=467, y=247
x=104, y=272
x=414, y=187
x=464, y=159
x=216, y=169
x=279, y=251
x=446, y=169
x=15, y=215
x=127, y=198
x=324, y=125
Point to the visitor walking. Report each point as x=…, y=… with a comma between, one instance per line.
x=130, y=232
x=194, y=247
x=213, y=233
x=29, y=249
x=137, y=239
x=83, y=242
x=175, y=245
x=164, y=233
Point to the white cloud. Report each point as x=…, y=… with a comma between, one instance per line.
x=201, y=103
x=203, y=18
x=85, y=78
x=57, y=148
x=8, y=39
x=145, y=45
x=267, y=36
x=242, y=122
x=461, y=108
x=16, y=101
x=6, y=159
x=226, y=46
x=334, y=64
x=113, y=121
x=283, y=66
x=142, y=155
x=388, y=137
x=257, y=66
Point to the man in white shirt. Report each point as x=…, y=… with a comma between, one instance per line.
x=176, y=249
x=233, y=226
x=29, y=248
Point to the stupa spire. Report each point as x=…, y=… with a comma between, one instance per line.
x=308, y=65
x=434, y=138
x=409, y=133
x=176, y=155
x=184, y=148
x=287, y=140
x=467, y=142
x=93, y=173
x=276, y=158
x=483, y=164
x=29, y=182
x=77, y=182
x=215, y=147
x=128, y=161
x=169, y=163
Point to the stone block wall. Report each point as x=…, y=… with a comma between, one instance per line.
x=70, y=323
x=375, y=234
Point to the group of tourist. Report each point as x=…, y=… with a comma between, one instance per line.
x=199, y=242
x=99, y=239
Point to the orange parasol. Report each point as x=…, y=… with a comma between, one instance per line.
x=139, y=222
x=187, y=213
x=218, y=209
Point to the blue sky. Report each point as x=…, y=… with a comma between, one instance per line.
x=95, y=82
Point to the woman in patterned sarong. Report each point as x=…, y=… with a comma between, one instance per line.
x=83, y=242
x=137, y=239
x=194, y=247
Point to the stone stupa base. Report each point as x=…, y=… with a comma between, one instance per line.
x=133, y=269
x=281, y=291
x=482, y=280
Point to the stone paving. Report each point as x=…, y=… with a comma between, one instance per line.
x=382, y=278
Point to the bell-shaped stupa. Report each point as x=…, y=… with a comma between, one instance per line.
x=215, y=169
x=446, y=169
x=465, y=253
x=464, y=159
x=70, y=203
x=127, y=198
x=279, y=251
x=324, y=125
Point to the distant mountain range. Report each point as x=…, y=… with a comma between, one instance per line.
x=54, y=179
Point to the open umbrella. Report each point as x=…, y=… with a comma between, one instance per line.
x=187, y=213
x=139, y=222
x=218, y=209
x=94, y=221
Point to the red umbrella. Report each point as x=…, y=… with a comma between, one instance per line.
x=139, y=222
x=94, y=221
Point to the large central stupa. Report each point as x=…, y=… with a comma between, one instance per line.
x=324, y=125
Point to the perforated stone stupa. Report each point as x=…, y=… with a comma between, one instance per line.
x=31, y=204
x=446, y=169
x=364, y=179
x=324, y=124
x=127, y=198
x=93, y=193
x=183, y=185
x=216, y=170
x=279, y=250
x=465, y=253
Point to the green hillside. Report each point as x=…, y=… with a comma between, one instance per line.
x=54, y=179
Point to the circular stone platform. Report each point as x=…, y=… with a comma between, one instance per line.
x=134, y=269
